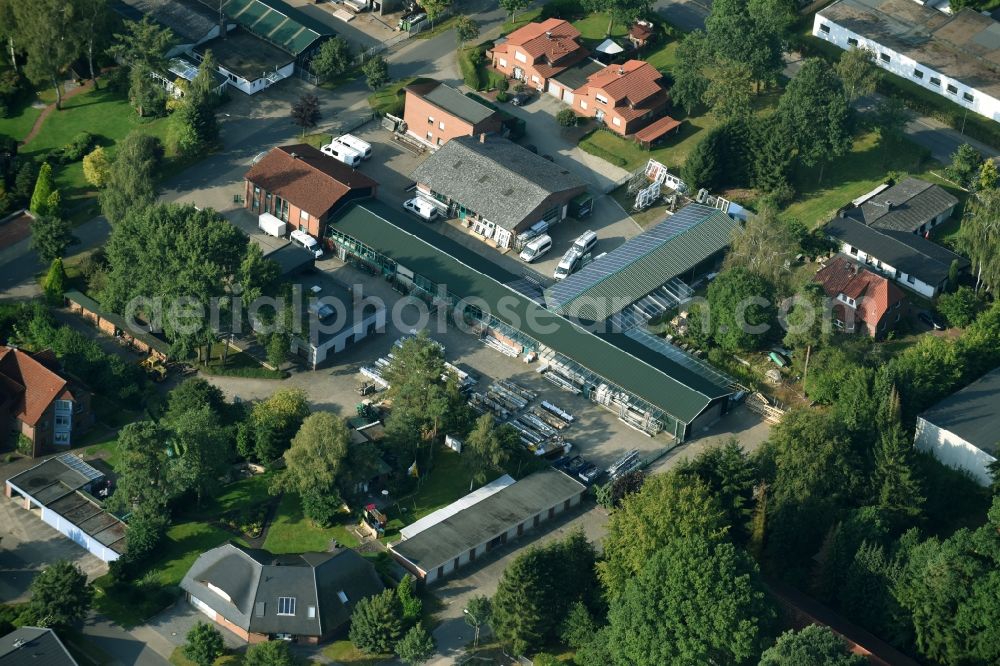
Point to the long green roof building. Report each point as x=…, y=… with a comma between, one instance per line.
x=652, y=387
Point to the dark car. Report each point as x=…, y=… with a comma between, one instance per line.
x=520, y=99
x=932, y=320
x=590, y=473
x=574, y=465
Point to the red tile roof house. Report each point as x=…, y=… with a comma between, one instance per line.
x=624, y=97
x=435, y=113
x=37, y=402
x=863, y=300
x=536, y=52
x=303, y=187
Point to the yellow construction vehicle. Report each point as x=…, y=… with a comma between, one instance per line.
x=155, y=368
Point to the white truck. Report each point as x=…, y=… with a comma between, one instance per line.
x=271, y=225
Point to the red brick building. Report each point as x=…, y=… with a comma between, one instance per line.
x=624, y=97
x=303, y=187
x=435, y=113
x=37, y=402
x=536, y=52
x=863, y=300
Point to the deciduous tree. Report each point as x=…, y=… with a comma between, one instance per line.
x=51, y=38
x=858, y=72
x=333, y=58
x=697, y=601
x=690, y=82
x=729, y=90
x=204, y=644
x=512, y=7
x=317, y=453
x=416, y=647
x=965, y=164
x=488, y=447
x=131, y=180
x=376, y=71
x=466, y=30
x=814, y=645
x=95, y=23
x=763, y=246
x=816, y=112
x=144, y=477
x=980, y=237
x=306, y=113
x=668, y=507
x=271, y=425
x=201, y=443
x=742, y=309
x=97, y=167
x=269, y=653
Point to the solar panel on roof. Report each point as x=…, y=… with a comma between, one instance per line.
x=78, y=465
x=626, y=255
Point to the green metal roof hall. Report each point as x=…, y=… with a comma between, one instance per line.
x=680, y=395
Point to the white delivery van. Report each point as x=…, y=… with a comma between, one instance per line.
x=342, y=153
x=570, y=264
x=536, y=248
x=351, y=141
x=271, y=225
x=304, y=240
x=586, y=242
x=422, y=208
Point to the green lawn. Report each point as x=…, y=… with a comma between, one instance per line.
x=391, y=98
x=108, y=447
x=344, y=652
x=593, y=29
x=291, y=532
x=20, y=119
x=177, y=658
x=664, y=58
x=523, y=18
x=100, y=112
x=854, y=174
x=442, y=485
x=673, y=150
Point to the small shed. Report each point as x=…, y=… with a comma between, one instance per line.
x=608, y=50
x=656, y=130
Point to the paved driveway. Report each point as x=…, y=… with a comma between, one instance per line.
x=687, y=15
x=28, y=545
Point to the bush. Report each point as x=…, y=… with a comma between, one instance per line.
x=566, y=118
x=502, y=96
x=962, y=307
x=564, y=9
x=496, y=81
x=117, y=80
x=468, y=62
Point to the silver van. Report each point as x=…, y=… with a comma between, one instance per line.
x=586, y=242
x=570, y=264
x=342, y=153
x=536, y=248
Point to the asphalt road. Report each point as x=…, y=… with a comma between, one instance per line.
x=687, y=15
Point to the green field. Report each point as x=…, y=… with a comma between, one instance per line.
x=292, y=532
x=857, y=172
x=593, y=29
x=664, y=59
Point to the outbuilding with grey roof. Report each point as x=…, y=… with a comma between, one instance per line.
x=490, y=522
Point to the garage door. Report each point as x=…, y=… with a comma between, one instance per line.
x=568, y=96
x=555, y=90
x=203, y=607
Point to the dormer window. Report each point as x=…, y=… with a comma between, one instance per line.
x=286, y=605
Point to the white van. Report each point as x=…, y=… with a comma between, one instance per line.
x=342, y=153
x=536, y=248
x=586, y=242
x=304, y=240
x=422, y=208
x=351, y=141
x=570, y=264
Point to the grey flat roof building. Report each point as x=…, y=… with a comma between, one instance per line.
x=34, y=646
x=501, y=181
x=451, y=100
x=189, y=20
x=486, y=520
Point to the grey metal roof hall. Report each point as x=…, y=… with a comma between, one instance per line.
x=451, y=100
x=254, y=580
x=904, y=251
x=972, y=413
x=498, y=179
x=643, y=264
x=488, y=518
x=187, y=19
x=34, y=646
x=905, y=206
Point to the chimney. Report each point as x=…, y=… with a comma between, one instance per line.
x=888, y=205
x=621, y=71
x=482, y=137
x=548, y=33
x=295, y=156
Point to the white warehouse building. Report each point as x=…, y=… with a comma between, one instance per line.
x=954, y=55
x=963, y=430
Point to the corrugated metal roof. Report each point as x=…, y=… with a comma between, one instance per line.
x=653, y=377
x=643, y=264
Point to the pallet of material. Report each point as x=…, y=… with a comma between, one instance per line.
x=557, y=411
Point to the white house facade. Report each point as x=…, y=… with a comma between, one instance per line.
x=911, y=282
x=936, y=51
x=954, y=451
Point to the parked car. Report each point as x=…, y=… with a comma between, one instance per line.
x=520, y=99
x=422, y=208
x=590, y=473
x=573, y=465
x=932, y=320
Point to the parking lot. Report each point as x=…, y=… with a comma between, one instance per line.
x=27, y=545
